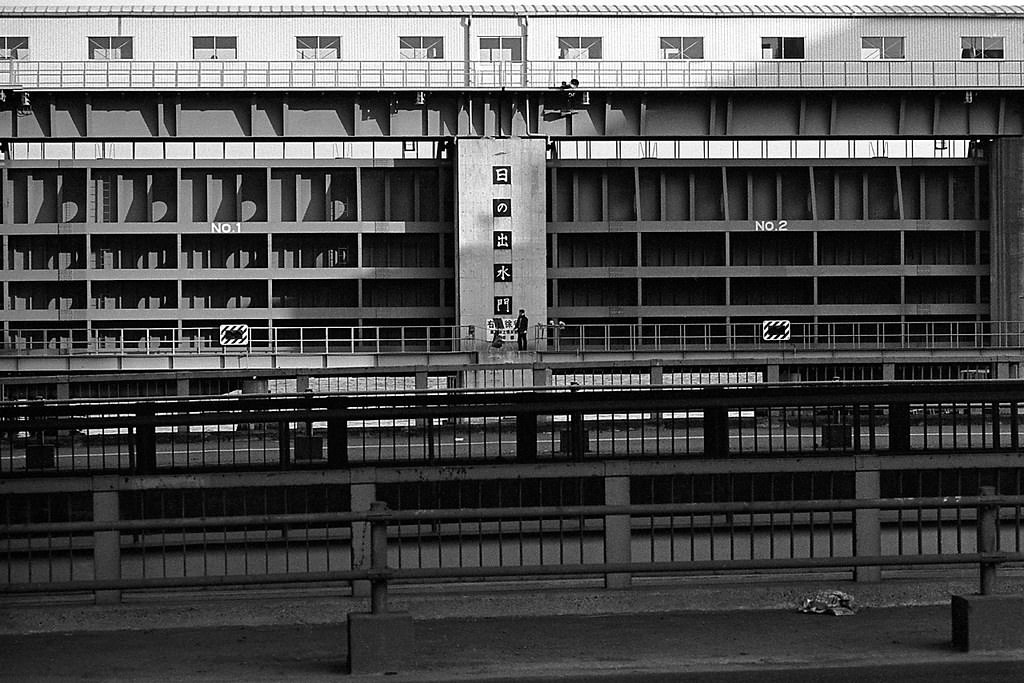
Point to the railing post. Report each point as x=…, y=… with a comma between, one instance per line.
x=145, y=442
x=988, y=521
x=899, y=426
x=106, y=545
x=361, y=496
x=716, y=432
x=379, y=557
x=337, y=442
x=867, y=529
x=526, y=437
x=284, y=443
x=617, y=533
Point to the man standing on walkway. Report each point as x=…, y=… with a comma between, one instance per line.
x=522, y=326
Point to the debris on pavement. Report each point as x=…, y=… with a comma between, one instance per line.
x=837, y=603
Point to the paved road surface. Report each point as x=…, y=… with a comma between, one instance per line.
x=901, y=644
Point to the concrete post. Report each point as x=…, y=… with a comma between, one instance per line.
x=888, y=372
x=867, y=530
x=541, y=376
x=421, y=380
x=182, y=390
x=988, y=522
x=617, y=534
x=361, y=496
x=771, y=374
x=301, y=384
x=379, y=558
x=106, y=544
x=657, y=374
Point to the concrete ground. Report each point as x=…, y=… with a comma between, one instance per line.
x=704, y=628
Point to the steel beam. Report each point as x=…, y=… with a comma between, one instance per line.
x=615, y=114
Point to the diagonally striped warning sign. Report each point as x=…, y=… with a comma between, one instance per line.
x=776, y=330
x=234, y=335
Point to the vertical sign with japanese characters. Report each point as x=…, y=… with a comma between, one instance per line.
x=501, y=213
x=500, y=232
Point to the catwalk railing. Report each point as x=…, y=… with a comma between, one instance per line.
x=459, y=544
x=330, y=339
x=565, y=423
x=462, y=75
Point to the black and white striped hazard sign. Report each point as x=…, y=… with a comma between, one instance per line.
x=776, y=330
x=234, y=335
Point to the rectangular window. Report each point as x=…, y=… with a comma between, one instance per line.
x=682, y=48
x=13, y=48
x=579, y=48
x=782, y=48
x=881, y=47
x=421, y=47
x=981, y=47
x=112, y=47
x=318, y=47
x=214, y=47
x=501, y=49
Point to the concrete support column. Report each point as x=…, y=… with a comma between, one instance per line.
x=301, y=384
x=511, y=171
x=541, y=376
x=867, y=530
x=361, y=495
x=106, y=544
x=771, y=374
x=888, y=372
x=617, y=533
x=1006, y=206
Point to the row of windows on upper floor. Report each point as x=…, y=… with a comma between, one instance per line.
x=510, y=49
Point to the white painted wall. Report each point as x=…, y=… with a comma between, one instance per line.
x=636, y=37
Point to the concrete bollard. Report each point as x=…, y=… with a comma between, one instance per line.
x=988, y=621
x=380, y=642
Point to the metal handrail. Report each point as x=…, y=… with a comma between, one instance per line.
x=517, y=513
x=534, y=74
x=987, y=555
x=867, y=335
x=850, y=336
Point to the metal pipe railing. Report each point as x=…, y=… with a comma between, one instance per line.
x=988, y=557
x=562, y=336
x=544, y=74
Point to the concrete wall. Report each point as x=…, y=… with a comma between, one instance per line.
x=476, y=225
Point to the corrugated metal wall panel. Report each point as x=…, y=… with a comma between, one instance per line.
x=265, y=38
x=637, y=38
x=624, y=38
x=59, y=39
